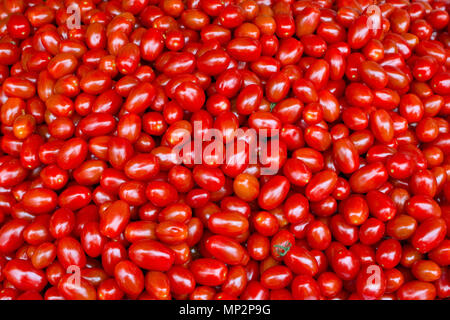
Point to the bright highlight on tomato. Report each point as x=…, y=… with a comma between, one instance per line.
x=219, y=149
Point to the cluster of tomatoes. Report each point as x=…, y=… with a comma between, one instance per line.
x=95, y=95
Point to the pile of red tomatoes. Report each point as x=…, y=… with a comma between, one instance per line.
x=95, y=96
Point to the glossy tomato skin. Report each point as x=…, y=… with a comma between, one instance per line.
x=255, y=291
x=318, y=235
x=274, y=192
x=24, y=276
x=380, y=205
x=72, y=154
x=39, y=200
x=109, y=290
x=181, y=280
x=211, y=179
x=70, y=253
x=73, y=291
x=321, y=185
x=369, y=177
x=344, y=232
x=300, y=261
x=296, y=208
x=228, y=223
x=438, y=254
x=347, y=197
x=236, y=281
x=388, y=254
x=11, y=235
x=305, y=288
x=371, y=282
x=152, y=255
x=417, y=290
x=429, y=234
x=226, y=250
x=345, y=264
x=345, y=155
x=44, y=255
x=209, y=272
x=115, y=219
x=92, y=240
x=129, y=278
x=276, y=277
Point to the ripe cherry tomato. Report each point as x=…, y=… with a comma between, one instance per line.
x=224, y=150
